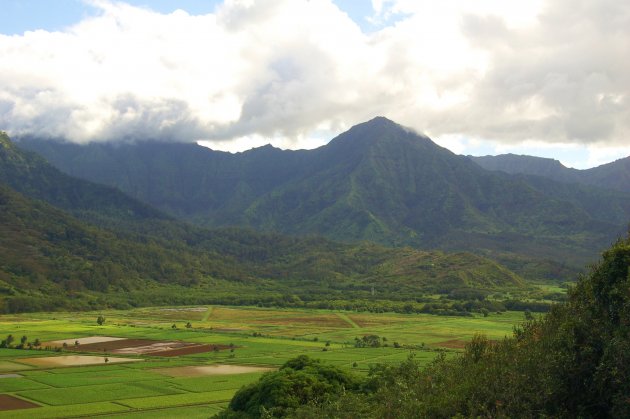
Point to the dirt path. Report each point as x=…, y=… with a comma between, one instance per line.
x=348, y=320
x=207, y=315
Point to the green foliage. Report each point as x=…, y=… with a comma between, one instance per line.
x=572, y=362
x=299, y=381
x=368, y=341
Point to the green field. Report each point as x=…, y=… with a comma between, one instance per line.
x=258, y=336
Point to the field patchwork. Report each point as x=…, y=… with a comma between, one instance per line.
x=189, y=361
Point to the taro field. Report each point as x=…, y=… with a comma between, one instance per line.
x=189, y=361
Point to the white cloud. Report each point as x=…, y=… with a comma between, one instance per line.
x=287, y=70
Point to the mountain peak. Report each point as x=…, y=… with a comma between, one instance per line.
x=381, y=120
x=381, y=123
x=378, y=135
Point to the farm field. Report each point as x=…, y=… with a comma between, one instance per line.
x=231, y=346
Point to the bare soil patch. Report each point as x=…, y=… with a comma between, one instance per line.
x=220, y=369
x=244, y=315
x=82, y=341
x=190, y=350
x=320, y=321
x=148, y=347
x=369, y=321
x=8, y=402
x=73, y=360
x=452, y=344
x=113, y=345
x=190, y=313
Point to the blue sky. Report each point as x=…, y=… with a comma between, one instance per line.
x=543, y=77
x=19, y=16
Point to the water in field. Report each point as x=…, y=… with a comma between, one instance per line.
x=219, y=369
x=73, y=360
x=82, y=341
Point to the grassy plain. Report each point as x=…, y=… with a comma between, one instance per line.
x=259, y=336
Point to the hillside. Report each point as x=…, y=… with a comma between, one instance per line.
x=31, y=175
x=378, y=181
x=49, y=259
x=614, y=175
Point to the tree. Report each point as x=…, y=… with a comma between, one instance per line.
x=100, y=320
x=368, y=341
x=299, y=381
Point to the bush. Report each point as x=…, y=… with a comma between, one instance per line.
x=299, y=381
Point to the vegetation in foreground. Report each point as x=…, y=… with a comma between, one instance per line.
x=574, y=362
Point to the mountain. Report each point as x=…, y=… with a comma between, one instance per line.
x=50, y=259
x=615, y=175
x=378, y=181
x=30, y=174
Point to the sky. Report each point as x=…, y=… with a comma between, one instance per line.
x=544, y=77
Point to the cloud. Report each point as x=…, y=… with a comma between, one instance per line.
x=552, y=72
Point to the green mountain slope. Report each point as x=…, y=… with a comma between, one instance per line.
x=379, y=181
x=614, y=175
x=50, y=260
x=33, y=176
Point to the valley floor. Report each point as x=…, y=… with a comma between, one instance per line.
x=167, y=382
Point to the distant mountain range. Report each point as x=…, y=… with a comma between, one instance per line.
x=70, y=243
x=615, y=175
x=378, y=181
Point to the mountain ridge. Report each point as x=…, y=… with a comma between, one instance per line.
x=614, y=175
x=52, y=259
x=378, y=181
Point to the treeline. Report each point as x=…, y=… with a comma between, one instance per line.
x=574, y=362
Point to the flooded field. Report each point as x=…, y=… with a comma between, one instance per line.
x=220, y=369
x=83, y=341
x=125, y=346
x=73, y=360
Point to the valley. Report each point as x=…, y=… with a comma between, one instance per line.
x=280, y=209
x=201, y=384
x=377, y=256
